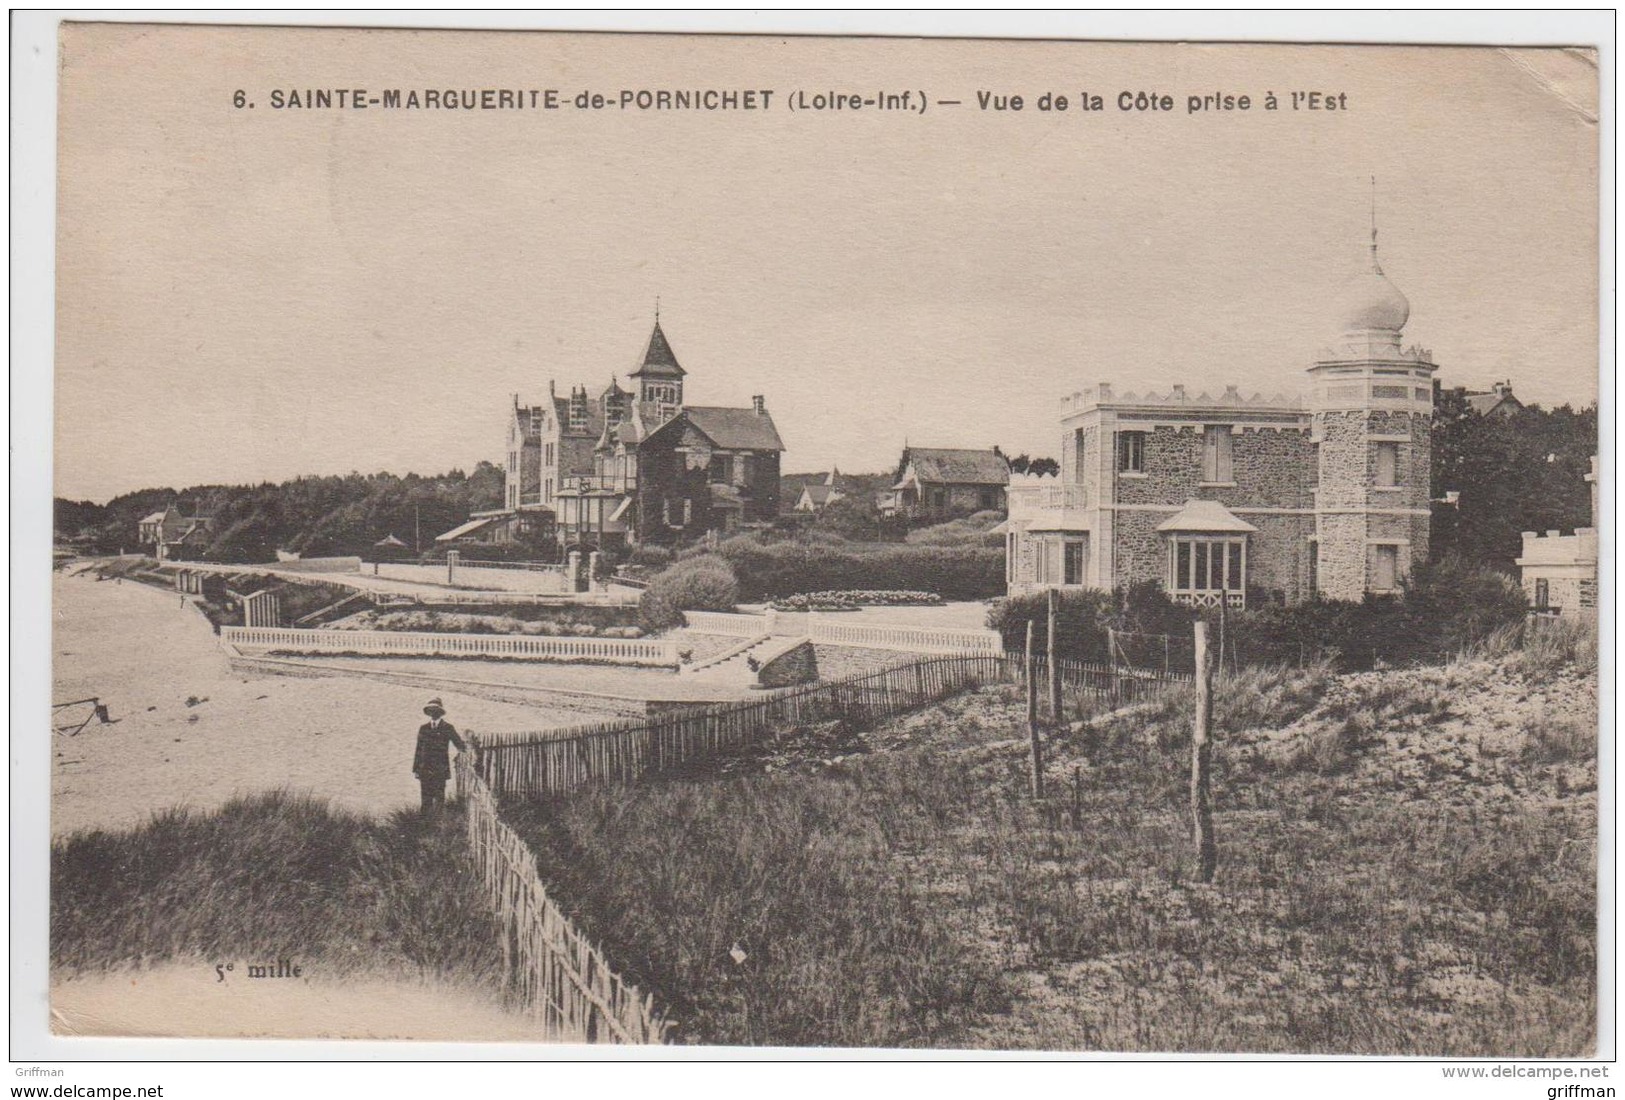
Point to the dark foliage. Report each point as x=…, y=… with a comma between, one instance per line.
x=1083, y=618
x=314, y=516
x=1523, y=472
x=768, y=570
x=703, y=583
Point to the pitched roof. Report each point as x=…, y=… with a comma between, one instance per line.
x=659, y=361
x=461, y=530
x=156, y=517
x=1485, y=403
x=955, y=466
x=1207, y=516
x=734, y=429
x=819, y=494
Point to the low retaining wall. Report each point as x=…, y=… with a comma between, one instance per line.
x=642, y=653
x=840, y=630
x=312, y=565
x=796, y=665
x=466, y=575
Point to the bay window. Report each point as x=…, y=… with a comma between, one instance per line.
x=1204, y=570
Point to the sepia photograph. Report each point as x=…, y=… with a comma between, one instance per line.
x=827, y=542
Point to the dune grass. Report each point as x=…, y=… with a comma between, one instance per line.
x=275, y=876
x=919, y=897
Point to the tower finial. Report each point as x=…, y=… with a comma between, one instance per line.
x=1375, y=266
x=657, y=309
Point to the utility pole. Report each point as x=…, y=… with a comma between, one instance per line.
x=1054, y=664
x=1207, y=854
x=1032, y=719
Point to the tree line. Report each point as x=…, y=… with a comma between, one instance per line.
x=313, y=516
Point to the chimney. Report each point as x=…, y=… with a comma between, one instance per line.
x=1231, y=393
x=759, y=403
x=1105, y=392
x=1179, y=393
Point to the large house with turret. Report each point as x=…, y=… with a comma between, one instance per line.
x=631, y=465
x=1234, y=499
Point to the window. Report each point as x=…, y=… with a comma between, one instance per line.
x=513, y=462
x=1077, y=555
x=719, y=469
x=1131, y=452
x=549, y=454
x=1387, y=569
x=548, y=496
x=1203, y=568
x=1217, y=444
x=742, y=470
x=688, y=512
x=1543, y=593
x=1387, y=465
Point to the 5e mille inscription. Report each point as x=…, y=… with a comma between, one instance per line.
x=279, y=968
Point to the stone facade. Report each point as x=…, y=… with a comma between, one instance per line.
x=1232, y=499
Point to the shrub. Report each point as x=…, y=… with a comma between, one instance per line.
x=704, y=583
x=769, y=570
x=971, y=530
x=1084, y=616
x=656, y=556
x=1446, y=609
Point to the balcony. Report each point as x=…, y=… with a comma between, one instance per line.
x=1049, y=506
x=582, y=484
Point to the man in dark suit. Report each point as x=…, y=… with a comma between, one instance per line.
x=431, y=764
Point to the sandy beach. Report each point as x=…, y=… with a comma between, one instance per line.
x=184, y=1000
x=145, y=655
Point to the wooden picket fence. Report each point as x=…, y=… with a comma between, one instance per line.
x=552, y=762
x=562, y=980
x=560, y=977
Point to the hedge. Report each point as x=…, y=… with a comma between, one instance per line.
x=1444, y=610
x=770, y=570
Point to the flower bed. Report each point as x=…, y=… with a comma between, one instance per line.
x=850, y=599
x=453, y=622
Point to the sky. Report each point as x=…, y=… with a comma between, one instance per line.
x=249, y=294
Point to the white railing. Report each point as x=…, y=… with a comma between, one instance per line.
x=621, y=651
x=837, y=630
x=727, y=623
x=523, y=566
x=1030, y=501
x=1211, y=598
x=906, y=639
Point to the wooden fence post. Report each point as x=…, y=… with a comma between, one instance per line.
x=1032, y=718
x=1207, y=854
x=1054, y=663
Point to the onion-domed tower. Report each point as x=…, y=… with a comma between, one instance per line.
x=1372, y=404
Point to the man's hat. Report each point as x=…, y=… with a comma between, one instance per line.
x=434, y=709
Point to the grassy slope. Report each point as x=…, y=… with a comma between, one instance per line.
x=275, y=876
x=1406, y=867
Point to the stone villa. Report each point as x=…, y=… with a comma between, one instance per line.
x=634, y=465
x=1235, y=499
